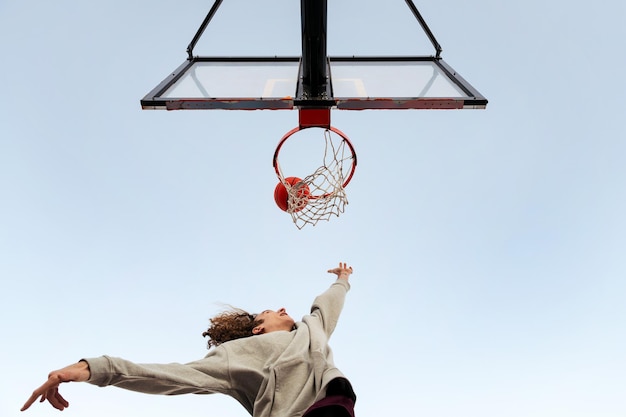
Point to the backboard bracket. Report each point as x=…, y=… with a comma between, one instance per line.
x=314, y=118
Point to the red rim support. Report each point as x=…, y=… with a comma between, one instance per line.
x=314, y=118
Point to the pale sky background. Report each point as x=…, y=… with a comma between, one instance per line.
x=488, y=245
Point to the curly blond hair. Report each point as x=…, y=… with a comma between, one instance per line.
x=230, y=325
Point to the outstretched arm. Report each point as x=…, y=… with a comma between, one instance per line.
x=77, y=372
x=205, y=376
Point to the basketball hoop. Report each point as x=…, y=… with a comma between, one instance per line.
x=321, y=194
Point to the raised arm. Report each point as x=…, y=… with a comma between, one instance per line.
x=328, y=305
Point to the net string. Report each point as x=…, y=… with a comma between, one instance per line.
x=326, y=195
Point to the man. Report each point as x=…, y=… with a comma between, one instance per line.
x=272, y=365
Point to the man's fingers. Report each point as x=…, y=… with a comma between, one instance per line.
x=48, y=391
x=30, y=401
x=59, y=399
x=56, y=403
x=343, y=267
x=55, y=399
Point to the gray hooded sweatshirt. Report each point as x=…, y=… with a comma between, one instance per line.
x=276, y=374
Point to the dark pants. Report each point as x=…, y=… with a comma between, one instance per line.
x=339, y=401
x=330, y=411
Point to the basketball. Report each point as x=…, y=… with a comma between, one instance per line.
x=281, y=196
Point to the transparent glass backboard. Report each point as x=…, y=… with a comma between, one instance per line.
x=401, y=79
x=236, y=80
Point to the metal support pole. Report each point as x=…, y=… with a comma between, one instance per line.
x=314, y=58
x=425, y=27
x=203, y=26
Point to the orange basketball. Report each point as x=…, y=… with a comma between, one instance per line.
x=281, y=196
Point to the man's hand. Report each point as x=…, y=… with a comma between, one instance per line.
x=50, y=389
x=342, y=272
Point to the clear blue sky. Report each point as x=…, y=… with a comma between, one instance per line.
x=488, y=245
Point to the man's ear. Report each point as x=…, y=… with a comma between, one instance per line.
x=258, y=330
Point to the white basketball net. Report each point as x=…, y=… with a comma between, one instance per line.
x=326, y=195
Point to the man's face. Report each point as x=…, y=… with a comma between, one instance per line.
x=273, y=321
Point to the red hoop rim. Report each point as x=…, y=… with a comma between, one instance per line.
x=298, y=129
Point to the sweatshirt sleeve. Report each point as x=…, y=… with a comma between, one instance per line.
x=206, y=376
x=328, y=305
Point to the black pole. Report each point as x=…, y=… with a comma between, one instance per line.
x=202, y=27
x=425, y=27
x=314, y=59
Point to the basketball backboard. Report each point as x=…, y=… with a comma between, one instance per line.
x=314, y=80
x=313, y=83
